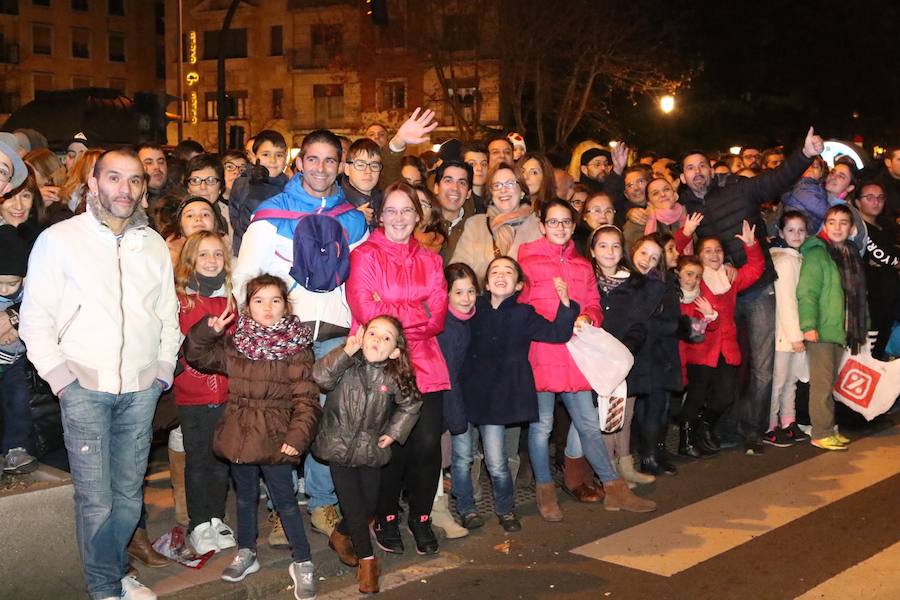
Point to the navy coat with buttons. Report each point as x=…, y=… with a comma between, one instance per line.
x=454, y=342
x=497, y=380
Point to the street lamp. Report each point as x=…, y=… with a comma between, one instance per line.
x=667, y=104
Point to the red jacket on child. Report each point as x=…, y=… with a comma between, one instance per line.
x=192, y=387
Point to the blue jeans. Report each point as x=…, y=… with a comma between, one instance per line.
x=281, y=491
x=108, y=439
x=586, y=421
x=751, y=410
x=460, y=475
x=319, y=486
x=15, y=402
x=493, y=440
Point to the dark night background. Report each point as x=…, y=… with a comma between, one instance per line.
x=766, y=70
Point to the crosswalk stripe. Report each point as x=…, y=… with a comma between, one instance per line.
x=688, y=536
x=876, y=578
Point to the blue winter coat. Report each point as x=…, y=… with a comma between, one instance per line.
x=454, y=342
x=497, y=381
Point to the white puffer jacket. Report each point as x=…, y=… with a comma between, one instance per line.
x=101, y=308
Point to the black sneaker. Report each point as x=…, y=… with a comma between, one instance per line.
x=795, y=433
x=472, y=520
x=753, y=447
x=510, y=523
x=387, y=534
x=426, y=541
x=778, y=437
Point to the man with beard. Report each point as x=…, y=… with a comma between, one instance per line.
x=724, y=208
x=100, y=321
x=153, y=160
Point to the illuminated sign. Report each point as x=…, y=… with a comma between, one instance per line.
x=192, y=77
x=193, y=107
x=192, y=47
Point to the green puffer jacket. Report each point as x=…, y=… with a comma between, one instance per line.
x=363, y=403
x=820, y=297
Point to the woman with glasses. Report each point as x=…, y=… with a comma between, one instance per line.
x=509, y=222
x=234, y=163
x=204, y=177
x=598, y=211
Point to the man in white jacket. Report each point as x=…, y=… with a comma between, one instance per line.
x=100, y=320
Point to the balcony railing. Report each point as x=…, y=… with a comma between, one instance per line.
x=320, y=57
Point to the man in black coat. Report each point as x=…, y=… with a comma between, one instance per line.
x=724, y=208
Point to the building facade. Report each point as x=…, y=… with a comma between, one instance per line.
x=298, y=65
x=65, y=44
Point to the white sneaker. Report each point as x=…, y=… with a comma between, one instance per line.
x=222, y=533
x=132, y=589
x=203, y=539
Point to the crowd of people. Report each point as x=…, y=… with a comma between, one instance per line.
x=363, y=328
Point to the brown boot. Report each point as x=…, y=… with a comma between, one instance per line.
x=620, y=497
x=547, y=504
x=343, y=546
x=578, y=480
x=367, y=574
x=176, y=477
x=141, y=549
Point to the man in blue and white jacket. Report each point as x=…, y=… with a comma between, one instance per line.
x=100, y=322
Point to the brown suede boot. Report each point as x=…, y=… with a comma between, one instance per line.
x=176, y=477
x=342, y=545
x=620, y=497
x=578, y=480
x=367, y=575
x=547, y=504
x=141, y=549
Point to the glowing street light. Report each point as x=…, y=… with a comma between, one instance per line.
x=735, y=150
x=667, y=104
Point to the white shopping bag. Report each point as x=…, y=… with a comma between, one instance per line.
x=602, y=359
x=868, y=386
x=612, y=409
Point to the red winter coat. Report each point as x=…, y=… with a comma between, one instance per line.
x=554, y=369
x=409, y=282
x=192, y=387
x=723, y=339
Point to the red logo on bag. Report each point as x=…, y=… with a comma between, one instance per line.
x=857, y=383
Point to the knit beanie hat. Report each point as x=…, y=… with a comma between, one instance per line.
x=13, y=255
x=593, y=153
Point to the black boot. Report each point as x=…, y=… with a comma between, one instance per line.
x=704, y=438
x=686, y=445
x=664, y=460
x=649, y=465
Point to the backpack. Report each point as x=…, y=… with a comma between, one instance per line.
x=321, y=260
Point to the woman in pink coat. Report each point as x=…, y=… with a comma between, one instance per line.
x=545, y=260
x=391, y=274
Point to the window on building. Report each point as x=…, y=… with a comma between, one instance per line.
x=241, y=100
x=391, y=94
x=80, y=5
x=212, y=112
x=41, y=2
x=81, y=42
x=81, y=81
x=460, y=32
x=278, y=103
x=43, y=82
x=41, y=39
x=394, y=35
x=160, y=61
x=466, y=94
x=276, y=40
x=120, y=85
x=116, y=47
x=115, y=8
x=329, y=99
x=9, y=7
x=235, y=44
x=327, y=43
x=9, y=102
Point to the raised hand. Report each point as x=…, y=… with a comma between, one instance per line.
x=415, y=129
x=619, y=157
x=813, y=144
x=748, y=234
x=218, y=324
x=691, y=224
x=704, y=306
x=354, y=342
x=562, y=290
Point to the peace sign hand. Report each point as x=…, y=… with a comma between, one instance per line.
x=218, y=324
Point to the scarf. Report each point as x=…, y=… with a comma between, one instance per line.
x=853, y=281
x=688, y=297
x=503, y=226
x=608, y=284
x=716, y=281
x=676, y=215
x=461, y=315
x=206, y=286
x=285, y=338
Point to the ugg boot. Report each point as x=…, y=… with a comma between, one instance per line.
x=620, y=497
x=367, y=575
x=176, y=475
x=625, y=466
x=343, y=547
x=547, y=504
x=140, y=548
x=441, y=517
x=686, y=445
x=578, y=480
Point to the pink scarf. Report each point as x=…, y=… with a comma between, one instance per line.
x=667, y=216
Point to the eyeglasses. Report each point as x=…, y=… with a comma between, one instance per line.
x=407, y=211
x=577, y=203
x=210, y=181
x=635, y=184
x=598, y=210
x=360, y=165
x=871, y=197
x=554, y=223
x=499, y=185
x=231, y=167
